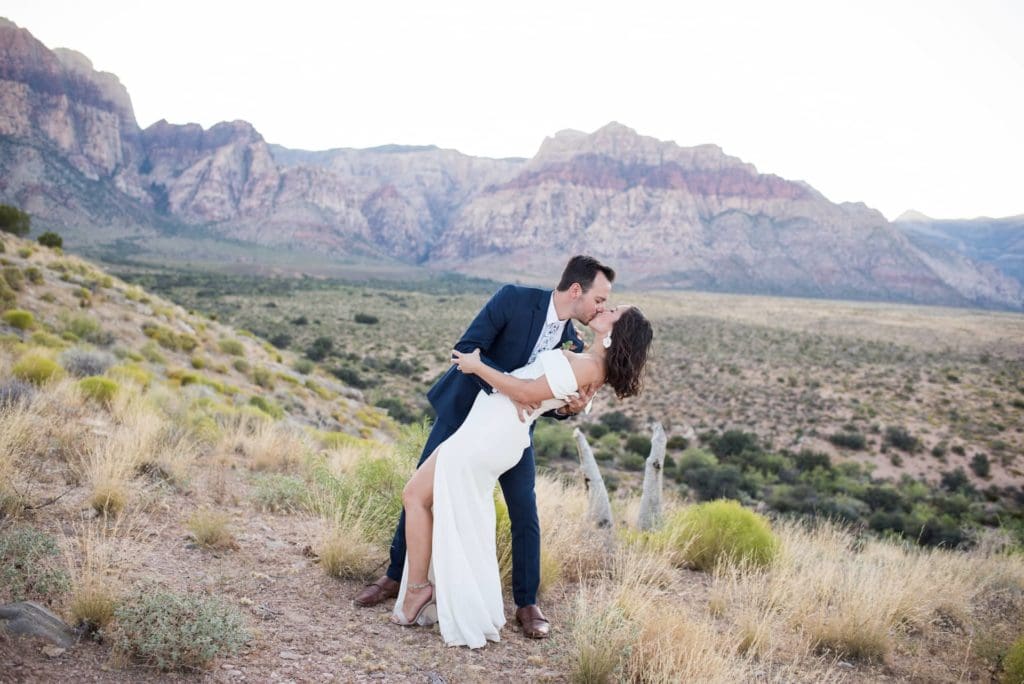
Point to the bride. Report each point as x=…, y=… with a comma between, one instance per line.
x=451, y=569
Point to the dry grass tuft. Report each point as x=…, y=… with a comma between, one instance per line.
x=264, y=445
x=211, y=530
x=344, y=554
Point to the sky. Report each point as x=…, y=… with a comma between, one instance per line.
x=900, y=104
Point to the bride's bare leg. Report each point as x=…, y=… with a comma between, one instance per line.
x=418, y=499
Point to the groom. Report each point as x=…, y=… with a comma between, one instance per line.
x=513, y=327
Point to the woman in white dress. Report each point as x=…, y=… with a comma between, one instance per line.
x=451, y=569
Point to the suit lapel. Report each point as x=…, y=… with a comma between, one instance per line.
x=539, y=312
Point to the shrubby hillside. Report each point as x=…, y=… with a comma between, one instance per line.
x=188, y=497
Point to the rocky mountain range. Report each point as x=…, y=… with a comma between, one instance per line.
x=73, y=155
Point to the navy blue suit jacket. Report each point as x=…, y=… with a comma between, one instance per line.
x=505, y=331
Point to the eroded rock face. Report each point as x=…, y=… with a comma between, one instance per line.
x=665, y=215
x=29, y=619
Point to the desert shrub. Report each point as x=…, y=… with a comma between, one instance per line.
x=263, y=377
x=197, y=362
x=981, y=465
x=899, y=438
x=36, y=367
x=303, y=366
x=366, y=319
x=34, y=275
x=14, y=277
x=552, y=440
x=397, y=410
x=131, y=373
x=3, y=247
x=92, y=607
x=98, y=388
x=724, y=480
x=240, y=365
x=14, y=220
x=281, y=340
x=631, y=460
x=617, y=421
x=7, y=295
x=231, y=347
x=955, y=480
x=30, y=567
x=806, y=460
x=278, y=493
x=15, y=392
x=350, y=377
x=20, y=319
x=849, y=440
x=210, y=529
x=268, y=407
x=319, y=350
x=50, y=239
x=345, y=554
x=733, y=443
x=172, y=631
x=1013, y=664
x=596, y=430
x=85, y=362
x=677, y=443
x=638, y=444
x=707, y=534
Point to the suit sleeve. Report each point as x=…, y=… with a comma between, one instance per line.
x=487, y=325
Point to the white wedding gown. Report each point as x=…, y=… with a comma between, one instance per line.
x=464, y=564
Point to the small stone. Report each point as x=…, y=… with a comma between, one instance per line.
x=535, y=660
x=54, y=651
x=245, y=601
x=290, y=655
x=227, y=666
x=234, y=673
x=844, y=664
x=349, y=660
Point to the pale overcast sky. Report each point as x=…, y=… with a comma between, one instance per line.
x=899, y=104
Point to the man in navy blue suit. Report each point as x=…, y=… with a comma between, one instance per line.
x=512, y=328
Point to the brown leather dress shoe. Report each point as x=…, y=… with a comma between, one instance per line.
x=533, y=622
x=381, y=590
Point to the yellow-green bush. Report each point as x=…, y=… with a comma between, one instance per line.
x=98, y=388
x=267, y=406
x=34, y=275
x=707, y=534
x=37, y=367
x=20, y=319
x=41, y=338
x=131, y=373
x=14, y=277
x=232, y=347
x=1013, y=664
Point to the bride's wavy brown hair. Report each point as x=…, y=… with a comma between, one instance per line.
x=626, y=358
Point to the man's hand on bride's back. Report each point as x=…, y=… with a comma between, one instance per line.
x=468, y=363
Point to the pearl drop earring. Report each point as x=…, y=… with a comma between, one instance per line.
x=607, y=341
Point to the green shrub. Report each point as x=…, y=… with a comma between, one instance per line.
x=849, y=440
x=36, y=367
x=981, y=465
x=3, y=247
x=98, y=388
x=7, y=296
x=262, y=377
x=631, y=460
x=231, y=347
x=279, y=493
x=350, y=377
x=34, y=275
x=241, y=365
x=366, y=319
x=320, y=349
x=150, y=352
x=198, y=362
x=710, y=533
x=677, y=443
x=400, y=412
x=638, y=444
x=617, y=421
x=30, y=566
x=20, y=319
x=552, y=440
x=14, y=220
x=172, y=631
x=733, y=443
x=14, y=277
x=303, y=366
x=50, y=239
x=267, y=406
x=899, y=438
x=1013, y=664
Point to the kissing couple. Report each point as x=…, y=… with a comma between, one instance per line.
x=510, y=367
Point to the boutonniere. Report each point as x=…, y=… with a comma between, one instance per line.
x=568, y=345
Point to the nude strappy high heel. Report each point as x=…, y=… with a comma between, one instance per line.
x=425, y=616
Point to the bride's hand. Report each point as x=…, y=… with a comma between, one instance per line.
x=467, y=363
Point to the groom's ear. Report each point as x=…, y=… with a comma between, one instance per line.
x=575, y=290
